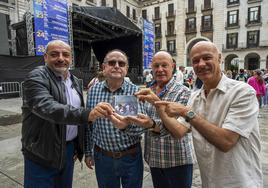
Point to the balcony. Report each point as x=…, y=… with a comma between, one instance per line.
x=253, y=22
x=206, y=28
x=190, y=30
x=156, y=18
x=158, y=35
x=171, y=14
x=171, y=33
x=241, y=46
x=172, y=52
x=207, y=8
x=233, y=4
x=232, y=25
x=254, y=1
x=253, y=45
x=190, y=11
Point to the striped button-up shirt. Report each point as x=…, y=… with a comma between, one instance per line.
x=102, y=132
x=162, y=150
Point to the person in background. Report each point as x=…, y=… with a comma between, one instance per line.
x=100, y=77
x=148, y=78
x=229, y=74
x=170, y=159
x=242, y=76
x=180, y=74
x=53, y=120
x=222, y=117
x=257, y=82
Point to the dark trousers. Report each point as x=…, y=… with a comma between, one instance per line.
x=126, y=170
x=37, y=176
x=175, y=177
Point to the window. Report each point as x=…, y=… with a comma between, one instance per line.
x=190, y=5
x=156, y=12
x=207, y=4
x=157, y=46
x=115, y=3
x=190, y=25
x=171, y=46
x=231, y=41
x=134, y=14
x=233, y=18
x=144, y=14
x=128, y=12
x=103, y=3
x=170, y=9
x=206, y=22
x=254, y=14
x=253, y=38
x=231, y=2
x=170, y=28
x=157, y=30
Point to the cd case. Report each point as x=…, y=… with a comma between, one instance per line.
x=125, y=105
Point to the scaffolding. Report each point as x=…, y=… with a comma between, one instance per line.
x=30, y=33
x=70, y=27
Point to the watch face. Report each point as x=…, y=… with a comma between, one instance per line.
x=190, y=114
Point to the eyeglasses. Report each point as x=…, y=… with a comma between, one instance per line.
x=112, y=63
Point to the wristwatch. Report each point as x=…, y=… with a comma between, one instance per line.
x=189, y=115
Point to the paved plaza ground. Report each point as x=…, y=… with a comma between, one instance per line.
x=11, y=160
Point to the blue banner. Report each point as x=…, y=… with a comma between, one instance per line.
x=148, y=43
x=50, y=22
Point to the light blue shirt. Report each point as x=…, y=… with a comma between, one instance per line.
x=74, y=100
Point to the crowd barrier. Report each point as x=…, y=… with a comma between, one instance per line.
x=8, y=88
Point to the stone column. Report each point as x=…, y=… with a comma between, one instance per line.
x=241, y=64
x=262, y=63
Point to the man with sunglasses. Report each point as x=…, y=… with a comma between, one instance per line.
x=112, y=145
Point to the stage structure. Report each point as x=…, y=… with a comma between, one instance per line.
x=93, y=31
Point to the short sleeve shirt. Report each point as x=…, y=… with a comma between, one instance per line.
x=231, y=105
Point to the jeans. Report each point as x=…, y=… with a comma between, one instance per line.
x=127, y=170
x=174, y=177
x=38, y=176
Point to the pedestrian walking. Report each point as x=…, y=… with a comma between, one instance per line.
x=257, y=82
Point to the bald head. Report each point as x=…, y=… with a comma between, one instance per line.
x=206, y=59
x=162, y=67
x=163, y=54
x=57, y=43
x=205, y=45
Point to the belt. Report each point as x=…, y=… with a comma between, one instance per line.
x=118, y=154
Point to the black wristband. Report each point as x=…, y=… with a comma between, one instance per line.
x=154, y=125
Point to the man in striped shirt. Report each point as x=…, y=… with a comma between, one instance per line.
x=111, y=143
x=170, y=159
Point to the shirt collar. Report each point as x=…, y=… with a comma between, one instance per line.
x=166, y=87
x=222, y=86
x=122, y=87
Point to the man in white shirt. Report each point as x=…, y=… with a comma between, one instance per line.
x=179, y=74
x=222, y=116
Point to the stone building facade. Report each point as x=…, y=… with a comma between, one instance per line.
x=238, y=27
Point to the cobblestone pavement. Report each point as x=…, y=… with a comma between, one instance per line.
x=11, y=160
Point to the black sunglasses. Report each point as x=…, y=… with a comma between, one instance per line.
x=112, y=63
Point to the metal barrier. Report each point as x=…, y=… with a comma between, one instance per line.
x=10, y=88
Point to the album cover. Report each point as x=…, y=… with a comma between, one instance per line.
x=126, y=105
